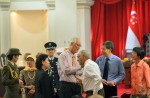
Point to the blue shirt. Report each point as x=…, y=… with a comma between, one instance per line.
x=116, y=70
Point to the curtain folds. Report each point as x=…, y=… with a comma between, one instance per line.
x=109, y=1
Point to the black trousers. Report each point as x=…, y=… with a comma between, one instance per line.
x=90, y=93
x=110, y=91
x=68, y=89
x=56, y=95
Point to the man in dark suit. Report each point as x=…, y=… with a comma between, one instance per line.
x=10, y=75
x=53, y=72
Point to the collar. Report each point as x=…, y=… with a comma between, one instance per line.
x=50, y=58
x=110, y=57
x=86, y=61
x=12, y=63
x=71, y=53
x=140, y=63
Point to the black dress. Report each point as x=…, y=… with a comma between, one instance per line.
x=43, y=85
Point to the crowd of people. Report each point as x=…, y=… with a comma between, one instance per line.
x=73, y=73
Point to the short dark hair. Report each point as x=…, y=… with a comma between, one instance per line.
x=39, y=60
x=140, y=52
x=10, y=57
x=109, y=45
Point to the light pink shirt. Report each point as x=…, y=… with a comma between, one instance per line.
x=66, y=70
x=140, y=78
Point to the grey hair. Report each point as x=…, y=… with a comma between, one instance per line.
x=85, y=53
x=74, y=39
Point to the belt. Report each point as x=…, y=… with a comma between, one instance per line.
x=64, y=82
x=90, y=91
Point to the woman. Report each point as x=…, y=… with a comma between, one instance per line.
x=10, y=75
x=43, y=85
x=140, y=75
x=27, y=75
x=25, y=58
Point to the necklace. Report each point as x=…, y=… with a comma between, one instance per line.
x=30, y=75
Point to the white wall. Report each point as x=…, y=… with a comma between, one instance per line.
x=24, y=0
x=66, y=25
x=29, y=30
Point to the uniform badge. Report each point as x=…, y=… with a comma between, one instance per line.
x=56, y=63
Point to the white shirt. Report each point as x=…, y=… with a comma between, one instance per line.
x=91, y=79
x=50, y=58
x=66, y=70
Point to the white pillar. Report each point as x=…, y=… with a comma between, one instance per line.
x=84, y=22
x=66, y=21
x=51, y=20
x=4, y=27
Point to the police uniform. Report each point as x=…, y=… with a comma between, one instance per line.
x=53, y=72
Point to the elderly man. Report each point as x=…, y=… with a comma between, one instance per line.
x=68, y=68
x=112, y=69
x=10, y=75
x=91, y=79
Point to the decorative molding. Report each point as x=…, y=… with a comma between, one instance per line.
x=4, y=5
x=32, y=5
x=84, y=4
x=4, y=1
x=50, y=4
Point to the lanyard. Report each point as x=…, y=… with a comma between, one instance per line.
x=14, y=74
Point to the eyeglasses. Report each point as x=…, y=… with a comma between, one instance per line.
x=103, y=49
x=30, y=60
x=79, y=45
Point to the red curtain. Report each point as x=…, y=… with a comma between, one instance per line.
x=109, y=1
x=110, y=22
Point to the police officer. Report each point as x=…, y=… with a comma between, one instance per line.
x=53, y=72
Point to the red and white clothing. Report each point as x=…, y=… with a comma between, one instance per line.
x=140, y=78
x=66, y=70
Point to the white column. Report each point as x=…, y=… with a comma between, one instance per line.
x=4, y=27
x=51, y=20
x=66, y=21
x=84, y=22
